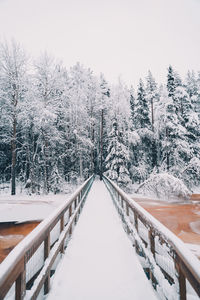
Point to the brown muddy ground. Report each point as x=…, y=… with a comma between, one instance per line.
x=12, y=234
x=181, y=218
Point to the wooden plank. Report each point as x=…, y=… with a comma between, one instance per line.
x=136, y=219
x=127, y=209
x=70, y=213
x=122, y=202
x=182, y=282
x=46, y=254
x=62, y=250
x=62, y=223
x=152, y=241
x=20, y=286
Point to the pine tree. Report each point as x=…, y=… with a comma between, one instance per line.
x=118, y=157
x=132, y=107
x=171, y=85
x=144, y=129
x=142, y=119
x=191, y=84
x=152, y=96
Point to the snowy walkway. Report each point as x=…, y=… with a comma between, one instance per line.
x=100, y=262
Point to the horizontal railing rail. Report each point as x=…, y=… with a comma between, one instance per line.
x=30, y=264
x=172, y=268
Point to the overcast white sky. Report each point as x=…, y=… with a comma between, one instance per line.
x=116, y=37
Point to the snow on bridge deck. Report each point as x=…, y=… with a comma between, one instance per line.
x=100, y=262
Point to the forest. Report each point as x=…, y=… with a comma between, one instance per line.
x=59, y=126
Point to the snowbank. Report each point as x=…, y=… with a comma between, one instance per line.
x=165, y=187
x=23, y=208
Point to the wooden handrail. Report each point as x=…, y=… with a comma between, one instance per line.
x=13, y=268
x=186, y=264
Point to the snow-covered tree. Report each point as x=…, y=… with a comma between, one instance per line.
x=59, y=125
x=13, y=68
x=118, y=157
x=132, y=107
x=152, y=95
x=104, y=108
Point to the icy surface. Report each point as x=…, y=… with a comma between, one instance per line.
x=22, y=208
x=195, y=226
x=100, y=262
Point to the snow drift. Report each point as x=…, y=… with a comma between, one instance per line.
x=164, y=186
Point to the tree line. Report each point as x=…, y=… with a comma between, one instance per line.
x=60, y=125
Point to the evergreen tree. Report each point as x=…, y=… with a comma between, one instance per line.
x=118, y=157
x=132, y=107
x=152, y=96
x=143, y=154
x=142, y=119
x=171, y=85
x=191, y=84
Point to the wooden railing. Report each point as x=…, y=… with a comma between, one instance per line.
x=172, y=268
x=27, y=269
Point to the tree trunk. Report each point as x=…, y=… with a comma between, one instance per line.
x=168, y=162
x=46, y=168
x=13, y=153
x=92, y=149
x=81, y=166
x=152, y=115
x=101, y=146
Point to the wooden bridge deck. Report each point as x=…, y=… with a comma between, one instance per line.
x=100, y=262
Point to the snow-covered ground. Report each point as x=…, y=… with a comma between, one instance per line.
x=100, y=262
x=22, y=208
x=164, y=186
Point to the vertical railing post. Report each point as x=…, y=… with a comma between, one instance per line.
x=181, y=280
x=118, y=199
x=70, y=213
x=127, y=209
x=136, y=227
x=122, y=202
x=61, y=229
x=20, y=285
x=79, y=200
x=152, y=248
x=136, y=220
x=152, y=242
x=46, y=254
x=75, y=204
x=127, y=213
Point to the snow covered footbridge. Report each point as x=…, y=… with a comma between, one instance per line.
x=99, y=261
